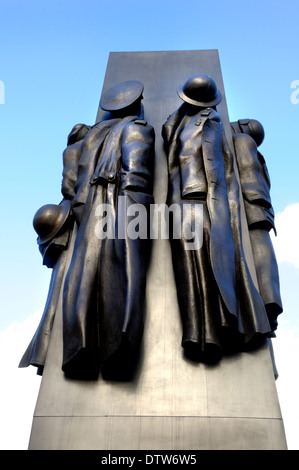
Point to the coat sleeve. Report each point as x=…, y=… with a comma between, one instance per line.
x=255, y=183
x=137, y=158
x=71, y=156
x=255, y=187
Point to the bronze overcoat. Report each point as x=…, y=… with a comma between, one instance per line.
x=255, y=186
x=221, y=308
x=104, y=290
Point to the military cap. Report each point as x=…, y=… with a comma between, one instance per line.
x=121, y=96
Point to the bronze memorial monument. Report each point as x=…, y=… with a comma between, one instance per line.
x=164, y=295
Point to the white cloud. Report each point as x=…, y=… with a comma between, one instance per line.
x=286, y=343
x=286, y=242
x=19, y=387
x=286, y=351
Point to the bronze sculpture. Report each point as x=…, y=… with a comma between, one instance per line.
x=109, y=165
x=248, y=135
x=105, y=285
x=104, y=289
x=221, y=309
x=53, y=224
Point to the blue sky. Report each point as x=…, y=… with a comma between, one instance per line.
x=53, y=57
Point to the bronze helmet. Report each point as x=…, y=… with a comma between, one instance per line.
x=49, y=219
x=200, y=90
x=121, y=96
x=251, y=127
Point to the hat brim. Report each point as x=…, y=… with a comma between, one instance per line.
x=185, y=98
x=121, y=96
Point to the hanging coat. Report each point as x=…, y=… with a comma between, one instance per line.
x=220, y=306
x=37, y=349
x=54, y=254
x=255, y=186
x=104, y=290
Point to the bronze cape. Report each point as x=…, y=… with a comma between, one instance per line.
x=221, y=309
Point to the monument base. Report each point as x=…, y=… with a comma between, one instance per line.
x=172, y=403
x=157, y=433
